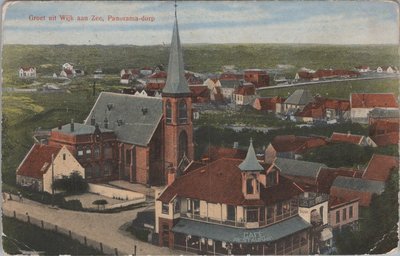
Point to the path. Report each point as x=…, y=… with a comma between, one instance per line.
x=96, y=226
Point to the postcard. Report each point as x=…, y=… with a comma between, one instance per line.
x=200, y=127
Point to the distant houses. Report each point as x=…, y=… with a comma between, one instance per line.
x=27, y=72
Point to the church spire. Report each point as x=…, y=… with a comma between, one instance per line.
x=250, y=163
x=176, y=82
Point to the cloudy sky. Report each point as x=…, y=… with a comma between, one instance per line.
x=333, y=22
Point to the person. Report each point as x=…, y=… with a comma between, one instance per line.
x=20, y=196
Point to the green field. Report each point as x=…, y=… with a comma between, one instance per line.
x=26, y=237
x=341, y=89
x=199, y=58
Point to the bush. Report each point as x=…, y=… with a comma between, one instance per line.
x=74, y=205
x=72, y=184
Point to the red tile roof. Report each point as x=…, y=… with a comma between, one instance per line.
x=380, y=166
x=335, y=201
x=391, y=138
x=125, y=76
x=346, y=137
x=230, y=76
x=245, y=90
x=213, y=153
x=27, y=68
x=268, y=103
x=221, y=182
x=292, y=143
x=373, y=100
x=161, y=74
x=326, y=176
x=337, y=104
x=35, y=160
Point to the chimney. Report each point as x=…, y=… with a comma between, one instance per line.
x=72, y=125
x=171, y=176
x=59, y=124
x=106, y=123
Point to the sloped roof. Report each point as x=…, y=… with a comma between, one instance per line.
x=250, y=163
x=240, y=235
x=221, y=182
x=391, y=138
x=215, y=152
x=384, y=113
x=293, y=143
x=357, y=184
x=293, y=167
x=37, y=161
x=300, y=97
x=176, y=81
x=229, y=83
x=373, y=100
x=380, y=166
x=140, y=116
x=326, y=176
x=79, y=129
x=346, y=137
x=245, y=90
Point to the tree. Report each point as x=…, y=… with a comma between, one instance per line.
x=72, y=184
x=378, y=232
x=99, y=202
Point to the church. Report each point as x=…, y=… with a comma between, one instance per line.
x=132, y=137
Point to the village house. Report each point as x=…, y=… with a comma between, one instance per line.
x=384, y=126
x=244, y=94
x=125, y=79
x=343, y=213
x=134, y=72
x=322, y=74
x=156, y=81
x=268, y=104
x=213, y=153
x=363, y=69
x=228, y=87
x=200, y=93
x=68, y=73
x=146, y=71
x=232, y=206
x=258, y=77
x=380, y=167
x=297, y=101
x=291, y=146
x=360, y=140
x=362, y=103
x=43, y=163
x=27, y=72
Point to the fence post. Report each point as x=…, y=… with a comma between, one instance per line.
x=56, y=228
x=41, y=222
x=70, y=234
x=84, y=238
x=134, y=251
x=15, y=215
x=101, y=247
x=116, y=251
x=28, y=218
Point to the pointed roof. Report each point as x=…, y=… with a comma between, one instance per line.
x=300, y=97
x=250, y=163
x=176, y=81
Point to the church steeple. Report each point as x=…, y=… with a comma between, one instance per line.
x=250, y=163
x=176, y=82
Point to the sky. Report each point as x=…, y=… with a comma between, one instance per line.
x=311, y=22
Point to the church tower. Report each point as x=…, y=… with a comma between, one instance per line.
x=177, y=107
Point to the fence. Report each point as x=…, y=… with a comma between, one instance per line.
x=116, y=193
x=72, y=235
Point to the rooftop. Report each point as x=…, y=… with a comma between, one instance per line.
x=346, y=137
x=361, y=185
x=373, y=100
x=293, y=167
x=79, y=129
x=380, y=166
x=300, y=97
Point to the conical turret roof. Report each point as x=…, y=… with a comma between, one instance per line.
x=176, y=81
x=250, y=163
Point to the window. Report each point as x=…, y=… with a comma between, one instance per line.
x=80, y=152
x=321, y=212
x=64, y=156
x=279, y=209
x=196, y=206
x=108, y=151
x=97, y=152
x=271, y=179
x=107, y=169
x=270, y=214
x=183, y=116
x=350, y=212
x=165, y=208
x=262, y=214
x=252, y=214
x=88, y=153
x=127, y=157
x=344, y=217
x=231, y=212
x=168, y=111
x=337, y=216
x=177, y=206
x=286, y=208
x=249, y=186
x=183, y=145
x=189, y=205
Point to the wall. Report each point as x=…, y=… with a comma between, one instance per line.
x=305, y=213
x=61, y=167
x=332, y=214
x=142, y=165
x=114, y=192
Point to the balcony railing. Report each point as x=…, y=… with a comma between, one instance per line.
x=188, y=215
x=312, y=200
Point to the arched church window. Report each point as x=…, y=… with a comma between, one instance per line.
x=168, y=113
x=182, y=112
x=183, y=145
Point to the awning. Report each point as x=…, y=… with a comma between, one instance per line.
x=241, y=235
x=326, y=234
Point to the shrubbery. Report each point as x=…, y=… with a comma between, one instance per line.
x=72, y=184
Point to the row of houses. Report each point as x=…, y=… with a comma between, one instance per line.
x=379, y=69
x=234, y=203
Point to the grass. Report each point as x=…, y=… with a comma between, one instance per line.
x=27, y=237
x=49, y=58
x=341, y=89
